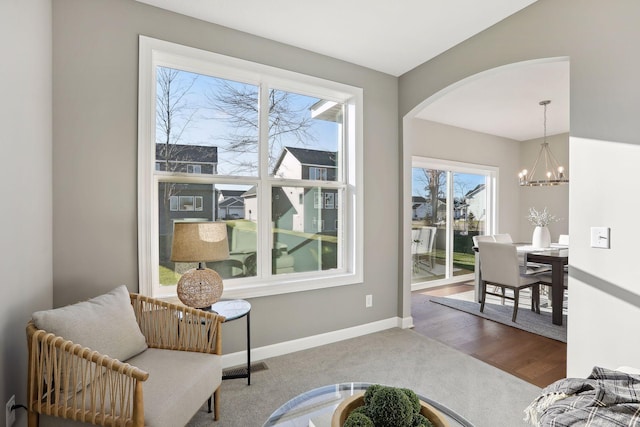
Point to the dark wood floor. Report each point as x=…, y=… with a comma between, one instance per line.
x=528, y=356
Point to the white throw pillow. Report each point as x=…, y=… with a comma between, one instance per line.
x=106, y=324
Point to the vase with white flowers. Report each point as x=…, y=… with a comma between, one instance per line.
x=541, y=219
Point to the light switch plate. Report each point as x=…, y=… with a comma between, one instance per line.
x=600, y=237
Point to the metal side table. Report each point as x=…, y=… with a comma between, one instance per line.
x=233, y=309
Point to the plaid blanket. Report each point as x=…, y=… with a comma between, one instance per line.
x=605, y=398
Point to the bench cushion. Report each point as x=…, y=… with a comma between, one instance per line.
x=179, y=383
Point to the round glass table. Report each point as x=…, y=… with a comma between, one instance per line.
x=315, y=407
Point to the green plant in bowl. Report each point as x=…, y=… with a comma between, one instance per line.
x=383, y=406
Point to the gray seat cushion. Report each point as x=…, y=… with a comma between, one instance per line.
x=179, y=383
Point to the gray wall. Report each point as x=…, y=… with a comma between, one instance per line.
x=95, y=75
x=439, y=141
x=25, y=184
x=601, y=39
x=556, y=199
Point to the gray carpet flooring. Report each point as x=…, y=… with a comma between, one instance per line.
x=484, y=395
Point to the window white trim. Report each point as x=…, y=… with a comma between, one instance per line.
x=153, y=52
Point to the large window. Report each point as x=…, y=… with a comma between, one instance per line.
x=274, y=154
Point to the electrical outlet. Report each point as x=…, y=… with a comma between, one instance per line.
x=10, y=417
x=368, y=301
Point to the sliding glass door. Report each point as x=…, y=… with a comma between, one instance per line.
x=451, y=203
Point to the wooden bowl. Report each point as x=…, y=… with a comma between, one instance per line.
x=352, y=402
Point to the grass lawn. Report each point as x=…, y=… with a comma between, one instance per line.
x=465, y=260
x=168, y=277
x=460, y=259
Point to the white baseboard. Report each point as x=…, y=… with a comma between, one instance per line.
x=405, y=322
x=279, y=349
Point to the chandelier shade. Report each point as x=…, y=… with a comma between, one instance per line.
x=546, y=170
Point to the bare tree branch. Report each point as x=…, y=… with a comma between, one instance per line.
x=238, y=106
x=433, y=180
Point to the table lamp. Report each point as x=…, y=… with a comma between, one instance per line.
x=199, y=242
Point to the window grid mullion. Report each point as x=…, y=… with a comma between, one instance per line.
x=264, y=235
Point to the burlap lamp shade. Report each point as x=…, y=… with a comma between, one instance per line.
x=199, y=242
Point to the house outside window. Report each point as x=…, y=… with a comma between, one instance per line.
x=194, y=169
x=317, y=199
x=185, y=203
x=275, y=188
x=318, y=173
x=318, y=224
x=328, y=200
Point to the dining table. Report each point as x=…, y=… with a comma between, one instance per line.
x=557, y=258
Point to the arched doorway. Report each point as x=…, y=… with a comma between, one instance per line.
x=448, y=140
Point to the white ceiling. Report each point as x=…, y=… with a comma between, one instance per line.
x=396, y=36
x=385, y=35
x=506, y=101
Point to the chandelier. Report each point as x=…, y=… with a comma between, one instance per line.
x=554, y=173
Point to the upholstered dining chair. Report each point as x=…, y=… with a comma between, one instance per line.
x=503, y=238
x=423, y=239
x=546, y=280
x=482, y=238
x=476, y=239
x=500, y=267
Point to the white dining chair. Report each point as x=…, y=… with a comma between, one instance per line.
x=482, y=238
x=500, y=267
x=503, y=238
x=563, y=239
x=477, y=272
x=423, y=239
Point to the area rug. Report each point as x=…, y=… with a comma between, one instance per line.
x=525, y=299
x=527, y=320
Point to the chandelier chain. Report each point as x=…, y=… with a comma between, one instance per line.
x=545, y=123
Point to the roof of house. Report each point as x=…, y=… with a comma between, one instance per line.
x=309, y=157
x=475, y=191
x=252, y=192
x=231, y=193
x=313, y=157
x=231, y=202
